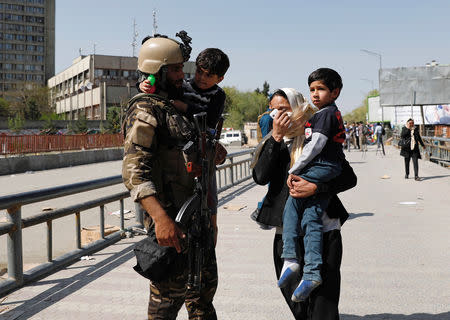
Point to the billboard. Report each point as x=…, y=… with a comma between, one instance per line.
x=428, y=85
x=398, y=115
x=378, y=114
x=437, y=114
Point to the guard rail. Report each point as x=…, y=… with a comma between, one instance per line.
x=235, y=170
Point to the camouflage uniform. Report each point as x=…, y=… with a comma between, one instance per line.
x=154, y=165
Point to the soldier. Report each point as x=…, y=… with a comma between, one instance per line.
x=154, y=172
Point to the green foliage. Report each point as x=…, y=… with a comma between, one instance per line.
x=80, y=125
x=4, y=108
x=49, y=126
x=31, y=101
x=16, y=124
x=265, y=89
x=102, y=128
x=51, y=116
x=70, y=128
x=241, y=107
x=113, y=115
x=359, y=113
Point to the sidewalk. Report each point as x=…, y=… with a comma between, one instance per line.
x=395, y=264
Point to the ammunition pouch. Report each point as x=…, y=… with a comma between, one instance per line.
x=155, y=262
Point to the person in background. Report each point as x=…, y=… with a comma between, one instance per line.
x=356, y=132
x=348, y=136
x=410, y=150
x=363, y=131
x=379, y=132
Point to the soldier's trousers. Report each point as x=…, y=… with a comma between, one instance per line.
x=166, y=298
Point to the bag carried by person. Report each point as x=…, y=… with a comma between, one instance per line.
x=404, y=142
x=156, y=262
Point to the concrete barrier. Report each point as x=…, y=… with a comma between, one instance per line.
x=24, y=163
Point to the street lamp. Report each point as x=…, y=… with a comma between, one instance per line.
x=373, y=54
x=379, y=56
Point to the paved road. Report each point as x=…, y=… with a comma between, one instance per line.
x=34, y=238
x=395, y=264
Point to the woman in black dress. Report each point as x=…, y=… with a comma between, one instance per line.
x=271, y=168
x=410, y=149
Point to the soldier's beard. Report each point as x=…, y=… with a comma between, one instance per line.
x=173, y=92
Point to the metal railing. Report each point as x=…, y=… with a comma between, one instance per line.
x=234, y=171
x=436, y=149
x=22, y=144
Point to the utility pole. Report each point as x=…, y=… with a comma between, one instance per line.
x=373, y=53
x=135, y=34
x=155, y=26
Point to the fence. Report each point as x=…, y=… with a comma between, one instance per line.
x=10, y=145
x=235, y=170
x=436, y=149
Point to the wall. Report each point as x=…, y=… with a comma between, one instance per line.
x=59, y=124
x=22, y=164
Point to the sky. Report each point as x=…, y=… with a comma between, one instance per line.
x=280, y=42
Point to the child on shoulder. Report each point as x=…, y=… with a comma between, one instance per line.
x=319, y=162
x=202, y=92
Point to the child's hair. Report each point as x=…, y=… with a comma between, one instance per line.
x=214, y=60
x=328, y=76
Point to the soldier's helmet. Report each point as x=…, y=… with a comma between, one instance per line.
x=157, y=52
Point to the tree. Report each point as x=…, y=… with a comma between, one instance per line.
x=265, y=90
x=241, y=107
x=359, y=113
x=49, y=126
x=113, y=115
x=31, y=101
x=16, y=124
x=4, y=108
x=81, y=124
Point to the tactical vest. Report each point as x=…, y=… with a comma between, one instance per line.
x=173, y=183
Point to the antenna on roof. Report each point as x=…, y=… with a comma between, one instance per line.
x=155, y=26
x=135, y=34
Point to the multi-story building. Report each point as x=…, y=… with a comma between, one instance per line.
x=95, y=82
x=27, y=43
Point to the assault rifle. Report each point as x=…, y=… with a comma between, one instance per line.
x=194, y=216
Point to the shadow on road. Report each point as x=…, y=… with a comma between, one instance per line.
x=237, y=193
x=390, y=316
x=435, y=177
x=65, y=287
x=357, y=215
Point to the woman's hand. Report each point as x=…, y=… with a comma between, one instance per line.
x=281, y=124
x=300, y=188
